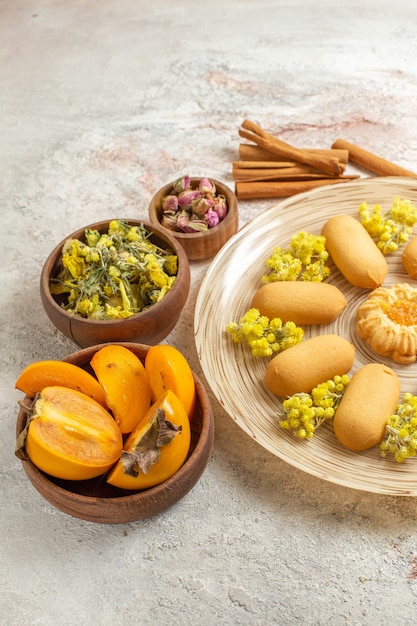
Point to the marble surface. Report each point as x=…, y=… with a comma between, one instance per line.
x=101, y=103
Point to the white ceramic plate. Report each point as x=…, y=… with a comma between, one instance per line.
x=236, y=377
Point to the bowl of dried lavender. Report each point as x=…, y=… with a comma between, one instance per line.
x=200, y=213
x=116, y=280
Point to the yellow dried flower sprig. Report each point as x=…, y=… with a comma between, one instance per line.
x=264, y=336
x=392, y=229
x=401, y=437
x=305, y=412
x=304, y=259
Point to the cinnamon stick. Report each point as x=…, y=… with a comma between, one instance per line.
x=264, y=189
x=264, y=164
x=238, y=170
x=265, y=140
x=283, y=169
x=239, y=173
x=292, y=177
x=372, y=162
x=249, y=152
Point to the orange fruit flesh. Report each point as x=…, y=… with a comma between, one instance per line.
x=172, y=455
x=36, y=376
x=403, y=312
x=71, y=436
x=168, y=369
x=126, y=387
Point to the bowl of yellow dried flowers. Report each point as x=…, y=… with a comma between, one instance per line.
x=116, y=280
x=201, y=213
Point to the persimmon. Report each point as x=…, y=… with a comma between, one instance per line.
x=157, y=447
x=126, y=387
x=36, y=376
x=168, y=369
x=70, y=435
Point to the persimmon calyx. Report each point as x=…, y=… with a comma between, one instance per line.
x=147, y=451
x=29, y=409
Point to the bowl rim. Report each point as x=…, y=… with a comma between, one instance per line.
x=232, y=209
x=204, y=443
x=159, y=230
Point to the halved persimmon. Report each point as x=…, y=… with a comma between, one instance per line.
x=126, y=387
x=36, y=376
x=70, y=435
x=157, y=447
x=168, y=369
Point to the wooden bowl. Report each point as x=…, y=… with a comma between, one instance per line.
x=97, y=501
x=147, y=327
x=206, y=244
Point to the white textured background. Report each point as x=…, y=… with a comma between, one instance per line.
x=101, y=103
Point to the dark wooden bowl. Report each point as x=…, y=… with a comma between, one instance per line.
x=148, y=327
x=97, y=501
x=206, y=244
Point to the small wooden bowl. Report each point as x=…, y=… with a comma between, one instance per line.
x=206, y=244
x=97, y=501
x=148, y=327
